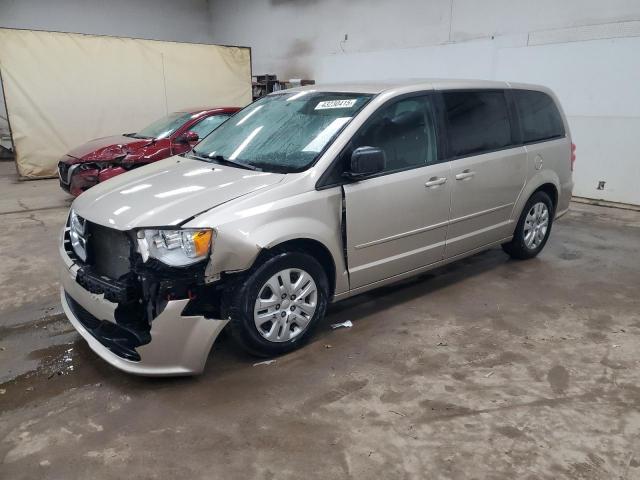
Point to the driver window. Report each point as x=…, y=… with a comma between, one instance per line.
x=405, y=130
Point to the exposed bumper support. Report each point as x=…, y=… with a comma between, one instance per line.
x=180, y=345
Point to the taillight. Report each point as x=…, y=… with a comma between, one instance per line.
x=573, y=155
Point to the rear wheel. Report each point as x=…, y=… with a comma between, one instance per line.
x=533, y=228
x=277, y=306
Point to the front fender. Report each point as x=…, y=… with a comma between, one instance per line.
x=242, y=233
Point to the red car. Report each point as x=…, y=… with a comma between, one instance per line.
x=103, y=158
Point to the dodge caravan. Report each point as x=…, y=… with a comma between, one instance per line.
x=305, y=197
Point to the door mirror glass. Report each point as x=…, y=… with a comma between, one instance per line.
x=366, y=161
x=188, y=137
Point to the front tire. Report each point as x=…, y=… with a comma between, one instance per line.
x=277, y=306
x=533, y=228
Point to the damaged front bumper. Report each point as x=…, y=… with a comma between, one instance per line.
x=178, y=342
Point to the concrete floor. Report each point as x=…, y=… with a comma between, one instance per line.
x=488, y=368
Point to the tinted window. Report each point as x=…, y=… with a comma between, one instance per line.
x=405, y=130
x=539, y=116
x=208, y=125
x=478, y=122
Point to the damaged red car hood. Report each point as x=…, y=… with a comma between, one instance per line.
x=168, y=192
x=107, y=148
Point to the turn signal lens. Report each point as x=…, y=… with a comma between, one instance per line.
x=201, y=242
x=196, y=243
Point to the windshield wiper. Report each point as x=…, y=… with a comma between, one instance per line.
x=222, y=159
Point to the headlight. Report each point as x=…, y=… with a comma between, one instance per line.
x=177, y=248
x=77, y=235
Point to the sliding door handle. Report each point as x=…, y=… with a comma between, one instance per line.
x=435, y=181
x=465, y=174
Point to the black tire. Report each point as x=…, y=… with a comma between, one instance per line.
x=517, y=247
x=244, y=295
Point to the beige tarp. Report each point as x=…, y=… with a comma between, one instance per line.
x=62, y=89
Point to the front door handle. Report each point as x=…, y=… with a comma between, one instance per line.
x=465, y=174
x=435, y=181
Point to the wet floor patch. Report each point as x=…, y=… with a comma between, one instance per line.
x=53, y=367
x=24, y=347
x=56, y=360
x=72, y=365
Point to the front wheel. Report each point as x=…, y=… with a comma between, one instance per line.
x=277, y=306
x=533, y=228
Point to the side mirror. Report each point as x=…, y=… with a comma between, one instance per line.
x=366, y=161
x=188, y=137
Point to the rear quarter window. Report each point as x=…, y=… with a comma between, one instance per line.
x=539, y=116
x=478, y=122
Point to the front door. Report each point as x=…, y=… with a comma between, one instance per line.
x=488, y=170
x=397, y=220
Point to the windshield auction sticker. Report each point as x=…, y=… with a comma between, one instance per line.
x=335, y=104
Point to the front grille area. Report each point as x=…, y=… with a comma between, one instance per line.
x=109, y=251
x=107, y=269
x=63, y=172
x=114, y=269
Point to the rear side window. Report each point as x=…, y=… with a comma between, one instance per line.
x=477, y=122
x=539, y=116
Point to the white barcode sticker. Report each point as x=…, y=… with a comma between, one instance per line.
x=336, y=104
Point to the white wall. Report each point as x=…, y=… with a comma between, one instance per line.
x=588, y=51
x=178, y=20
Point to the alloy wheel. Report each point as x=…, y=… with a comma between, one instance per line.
x=536, y=225
x=285, y=305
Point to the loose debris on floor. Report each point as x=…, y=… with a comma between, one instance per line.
x=266, y=362
x=347, y=324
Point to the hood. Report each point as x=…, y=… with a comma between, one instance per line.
x=107, y=148
x=167, y=192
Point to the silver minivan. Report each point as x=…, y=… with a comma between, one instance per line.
x=305, y=197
